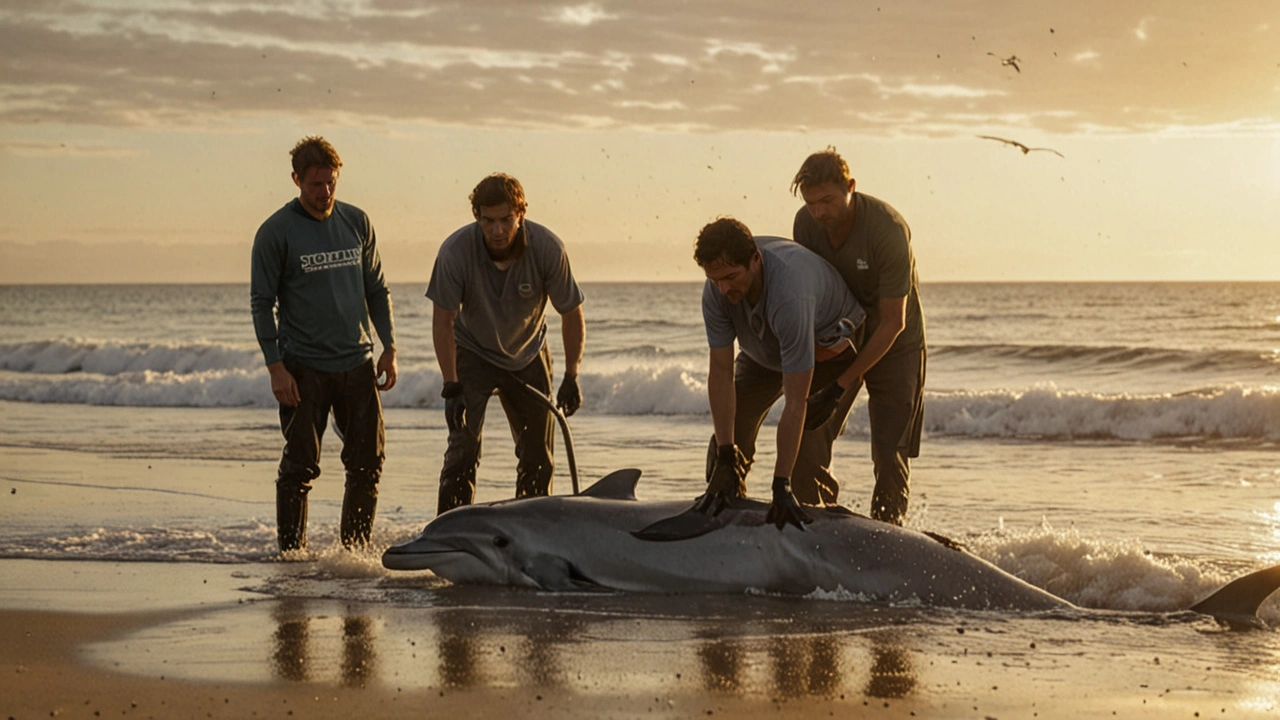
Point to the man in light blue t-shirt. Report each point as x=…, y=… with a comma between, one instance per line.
x=491, y=283
x=793, y=318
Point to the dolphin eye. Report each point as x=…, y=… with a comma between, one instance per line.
x=500, y=541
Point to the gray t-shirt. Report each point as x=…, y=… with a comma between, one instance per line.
x=502, y=313
x=876, y=261
x=804, y=304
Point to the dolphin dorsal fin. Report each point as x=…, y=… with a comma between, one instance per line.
x=1238, y=600
x=617, y=485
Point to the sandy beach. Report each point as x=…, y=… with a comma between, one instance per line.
x=49, y=676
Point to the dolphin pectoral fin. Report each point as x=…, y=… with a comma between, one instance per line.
x=689, y=524
x=946, y=541
x=556, y=574
x=617, y=485
x=1236, y=603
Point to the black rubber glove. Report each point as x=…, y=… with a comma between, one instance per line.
x=569, y=399
x=785, y=508
x=455, y=408
x=727, y=481
x=822, y=405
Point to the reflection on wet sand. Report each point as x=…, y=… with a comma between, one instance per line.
x=294, y=657
x=572, y=644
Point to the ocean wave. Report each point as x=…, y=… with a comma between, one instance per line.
x=1043, y=412
x=1114, y=356
x=55, y=357
x=1047, y=413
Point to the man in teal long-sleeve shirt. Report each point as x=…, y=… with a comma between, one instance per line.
x=316, y=266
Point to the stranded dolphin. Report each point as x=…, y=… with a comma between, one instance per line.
x=606, y=539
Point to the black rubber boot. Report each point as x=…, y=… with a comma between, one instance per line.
x=291, y=517
x=359, y=505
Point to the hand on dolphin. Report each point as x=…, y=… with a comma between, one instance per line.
x=785, y=508
x=728, y=480
x=455, y=408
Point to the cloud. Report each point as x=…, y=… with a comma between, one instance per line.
x=579, y=15
x=726, y=64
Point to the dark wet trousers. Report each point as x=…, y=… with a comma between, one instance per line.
x=532, y=428
x=352, y=397
x=895, y=408
x=756, y=389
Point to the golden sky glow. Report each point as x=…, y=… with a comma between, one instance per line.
x=145, y=140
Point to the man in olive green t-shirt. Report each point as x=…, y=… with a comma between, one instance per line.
x=869, y=243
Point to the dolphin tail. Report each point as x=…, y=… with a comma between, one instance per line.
x=1236, y=603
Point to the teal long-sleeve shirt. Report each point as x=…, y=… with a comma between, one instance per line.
x=324, y=277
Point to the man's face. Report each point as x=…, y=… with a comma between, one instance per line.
x=828, y=203
x=736, y=282
x=499, y=223
x=318, y=187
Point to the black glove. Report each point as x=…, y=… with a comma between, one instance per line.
x=822, y=405
x=455, y=408
x=728, y=480
x=569, y=399
x=785, y=508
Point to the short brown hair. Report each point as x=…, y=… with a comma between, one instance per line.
x=497, y=189
x=314, y=151
x=724, y=239
x=821, y=168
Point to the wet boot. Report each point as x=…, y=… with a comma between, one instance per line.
x=456, y=491
x=359, y=505
x=291, y=517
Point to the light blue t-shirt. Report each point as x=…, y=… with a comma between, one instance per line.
x=804, y=304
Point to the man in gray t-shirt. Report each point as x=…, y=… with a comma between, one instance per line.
x=793, y=318
x=490, y=285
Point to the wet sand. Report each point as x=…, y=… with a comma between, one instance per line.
x=228, y=652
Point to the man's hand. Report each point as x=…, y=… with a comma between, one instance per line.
x=785, y=508
x=386, y=369
x=283, y=386
x=569, y=398
x=455, y=408
x=822, y=404
x=727, y=481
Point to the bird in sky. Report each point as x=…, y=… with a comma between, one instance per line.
x=1011, y=61
x=1020, y=146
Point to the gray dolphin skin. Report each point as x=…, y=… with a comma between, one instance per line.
x=605, y=539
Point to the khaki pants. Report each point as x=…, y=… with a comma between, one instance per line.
x=756, y=389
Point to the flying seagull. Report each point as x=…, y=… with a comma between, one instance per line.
x=1012, y=61
x=1019, y=145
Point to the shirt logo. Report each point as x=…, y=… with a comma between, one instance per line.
x=330, y=260
x=525, y=290
x=862, y=264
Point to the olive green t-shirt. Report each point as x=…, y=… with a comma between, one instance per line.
x=875, y=261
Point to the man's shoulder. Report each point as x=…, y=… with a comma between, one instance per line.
x=538, y=234
x=350, y=212
x=878, y=209
x=457, y=238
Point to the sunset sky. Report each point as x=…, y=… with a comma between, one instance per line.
x=146, y=140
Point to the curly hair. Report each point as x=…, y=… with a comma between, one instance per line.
x=314, y=151
x=724, y=239
x=497, y=189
